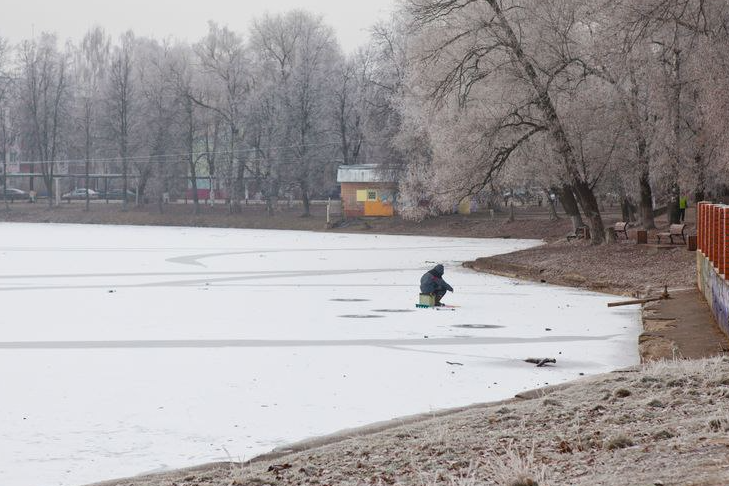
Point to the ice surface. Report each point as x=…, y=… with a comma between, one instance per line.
x=125, y=350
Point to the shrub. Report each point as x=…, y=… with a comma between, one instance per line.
x=619, y=442
x=656, y=403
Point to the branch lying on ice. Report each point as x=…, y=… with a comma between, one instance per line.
x=540, y=361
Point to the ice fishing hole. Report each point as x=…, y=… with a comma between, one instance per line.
x=349, y=300
x=393, y=310
x=477, y=326
x=360, y=316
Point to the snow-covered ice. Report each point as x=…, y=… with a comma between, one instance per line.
x=126, y=350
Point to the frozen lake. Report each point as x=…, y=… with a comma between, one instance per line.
x=126, y=350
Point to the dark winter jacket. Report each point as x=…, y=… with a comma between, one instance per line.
x=433, y=281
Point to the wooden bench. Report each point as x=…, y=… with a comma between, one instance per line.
x=675, y=230
x=581, y=233
x=621, y=227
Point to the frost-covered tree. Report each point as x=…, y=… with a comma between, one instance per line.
x=8, y=112
x=681, y=35
x=302, y=53
x=90, y=67
x=223, y=59
x=123, y=104
x=185, y=84
x=157, y=166
x=496, y=70
x=45, y=97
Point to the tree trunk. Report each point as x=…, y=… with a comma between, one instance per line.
x=125, y=201
x=590, y=208
x=49, y=189
x=674, y=196
x=193, y=183
x=610, y=236
x=627, y=209
x=88, y=197
x=700, y=176
x=553, y=216
x=5, y=179
x=646, y=201
x=674, y=190
x=305, y=199
x=190, y=149
x=569, y=203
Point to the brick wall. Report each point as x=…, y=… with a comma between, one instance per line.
x=712, y=258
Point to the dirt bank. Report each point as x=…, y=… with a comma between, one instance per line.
x=625, y=268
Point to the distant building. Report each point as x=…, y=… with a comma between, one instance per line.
x=366, y=190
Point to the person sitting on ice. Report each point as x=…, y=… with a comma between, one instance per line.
x=432, y=283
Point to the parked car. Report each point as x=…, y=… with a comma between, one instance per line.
x=12, y=193
x=80, y=193
x=117, y=194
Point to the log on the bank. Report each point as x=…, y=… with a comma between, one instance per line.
x=663, y=296
x=633, y=302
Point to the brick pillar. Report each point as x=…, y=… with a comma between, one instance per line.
x=720, y=239
x=724, y=250
x=715, y=235
x=699, y=226
x=719, y=213
x=700, y=208
x=710, y=231
x=707, y=229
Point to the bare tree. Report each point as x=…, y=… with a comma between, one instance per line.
x=7, y=116
x=122, y=103
x=44, y=94
x=184, y=85
x=305, y=52
x=223, y=58
x=90, y=68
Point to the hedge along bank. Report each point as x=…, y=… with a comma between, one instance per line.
x=712, y=259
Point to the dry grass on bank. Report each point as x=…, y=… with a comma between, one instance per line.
x=623, y=268
x=665, y=423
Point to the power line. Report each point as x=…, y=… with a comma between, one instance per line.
x=155, y=158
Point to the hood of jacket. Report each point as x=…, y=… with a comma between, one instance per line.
x=437, y=270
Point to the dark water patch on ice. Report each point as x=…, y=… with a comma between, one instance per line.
x=393, y=310
x=361, y=316
x=477, y=326
x=349, y=300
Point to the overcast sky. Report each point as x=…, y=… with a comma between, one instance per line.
x=182, y=19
